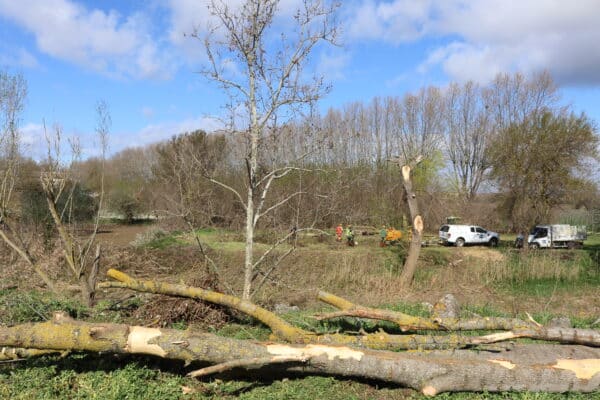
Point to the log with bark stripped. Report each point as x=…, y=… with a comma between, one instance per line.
x=549, y=368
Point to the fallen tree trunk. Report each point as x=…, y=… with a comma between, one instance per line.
x=547, y=368
x=517, y=328
x=409, y=322
x=281, y=330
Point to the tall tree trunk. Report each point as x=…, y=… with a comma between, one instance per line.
x=252, y=164
x=410, y=265
x=249, y=250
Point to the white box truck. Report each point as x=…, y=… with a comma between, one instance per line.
x=556, y=236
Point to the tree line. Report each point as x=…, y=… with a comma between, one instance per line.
x=506, y=154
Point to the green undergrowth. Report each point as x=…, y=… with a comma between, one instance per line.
x=165, y=241
x=114, y=378
x=34, y=306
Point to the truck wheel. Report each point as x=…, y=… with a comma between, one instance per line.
x=460, y=242
x=571, y=245
x=534, y=246
x=493, y=242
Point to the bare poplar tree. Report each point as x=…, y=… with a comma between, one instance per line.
x=269, y=87
x=468, y=136
x=511, y=99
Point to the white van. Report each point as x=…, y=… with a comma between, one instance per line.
x=460, y=235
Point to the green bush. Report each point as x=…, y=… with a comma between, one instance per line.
x=126, y=205
x=80, y=207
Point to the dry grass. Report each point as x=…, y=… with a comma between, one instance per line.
x=520, y=267
x=500, y=278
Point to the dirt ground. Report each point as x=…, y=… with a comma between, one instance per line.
x=121, y=235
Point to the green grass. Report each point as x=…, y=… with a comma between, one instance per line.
x=542, y=272
x=33, y=306
x=164, y=242
x=87, y=377
x=105, y=378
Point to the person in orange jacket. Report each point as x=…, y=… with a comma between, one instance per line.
x=338, y=232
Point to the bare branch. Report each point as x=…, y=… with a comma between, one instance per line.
x=247, y=363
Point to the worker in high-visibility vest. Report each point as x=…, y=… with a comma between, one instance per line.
x=349, y=235
x=382, y=236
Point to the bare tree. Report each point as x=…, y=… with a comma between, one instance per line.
x=468, y=136
x=60, y=184
x=13, y=92
x=270, y=87
x=513, y=98
x=60, y=189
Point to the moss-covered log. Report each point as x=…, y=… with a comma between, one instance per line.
x=548, y=368
x=517, y=328
x=408, y=322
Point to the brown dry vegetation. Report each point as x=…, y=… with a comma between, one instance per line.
x=365, y=274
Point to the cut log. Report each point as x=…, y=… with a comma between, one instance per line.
x=549, y=368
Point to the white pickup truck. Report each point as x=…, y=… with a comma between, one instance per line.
x=460, y=235
x=555, y=236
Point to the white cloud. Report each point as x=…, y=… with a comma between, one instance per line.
x=332, y=65
x=154, y=133
x=33, y=140
x=17, y=57
x=103, y=41
x=395, y=22
x=491, y=35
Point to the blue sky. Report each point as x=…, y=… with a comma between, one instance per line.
x=133, y=54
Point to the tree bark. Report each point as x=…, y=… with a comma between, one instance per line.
x=549, y=368
x=410, y=265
